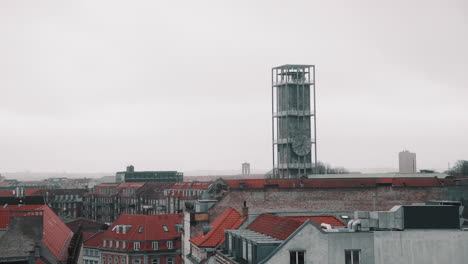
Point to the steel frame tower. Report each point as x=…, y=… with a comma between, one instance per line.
x=294, y=130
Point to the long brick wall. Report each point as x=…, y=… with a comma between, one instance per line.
x=326, y=199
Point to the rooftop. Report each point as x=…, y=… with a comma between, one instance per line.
x=230, y=219
x=56, y=236
x=144, y=228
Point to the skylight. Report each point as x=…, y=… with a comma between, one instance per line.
x=165, y=228
x=140, y=229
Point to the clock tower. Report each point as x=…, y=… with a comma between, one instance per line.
x=293, y=121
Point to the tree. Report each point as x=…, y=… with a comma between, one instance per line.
x=459, y=169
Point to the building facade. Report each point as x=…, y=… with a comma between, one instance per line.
x=404, y=234
x=130, y=175
x=293, y=121
x=137, y=239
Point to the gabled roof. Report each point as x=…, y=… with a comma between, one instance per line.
x=230, y=219
x=56, y=235
x=274, y=226
x=144, y=228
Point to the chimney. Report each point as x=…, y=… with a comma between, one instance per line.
x=245, y=210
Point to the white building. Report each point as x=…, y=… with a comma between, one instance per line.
x=407, y=162
x=415, y=234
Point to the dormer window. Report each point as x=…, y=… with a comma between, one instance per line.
x=155, y=245
x=169, y=244
x=110, y=243
x=116, y=244
x=104, y=243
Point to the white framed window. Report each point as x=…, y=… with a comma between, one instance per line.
x=136, y=245
x=104, y=243
x=136, y=261
x=155, y=245
x=297, y=257
x=155, y=261
x=116, y=244
x=124, y=245
x=169, y=244
x=110, y=243
x=109, y=259
x=352, y=256
x=116, y=260
x=123, y=260
x=170, y=260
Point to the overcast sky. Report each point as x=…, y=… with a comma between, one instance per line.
x=89, y=86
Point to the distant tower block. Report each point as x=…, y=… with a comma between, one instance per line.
x=407, y=162
x=294, y=121
x=245, y=169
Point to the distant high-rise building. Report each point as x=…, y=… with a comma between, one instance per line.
x=407, y=162
x=294, y=122
x=245, y=169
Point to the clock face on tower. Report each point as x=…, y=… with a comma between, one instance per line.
x=301, y=145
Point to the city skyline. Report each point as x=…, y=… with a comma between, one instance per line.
x=186, y=88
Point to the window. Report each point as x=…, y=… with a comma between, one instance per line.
x=296, y=257
x=103, y=259
x=104, y=243
x=136, y=261
x=122, y=260
x=170, y=260
x=136, y=245
x=110, y=244
x=155, y=261
x=140, y=229
x=169, y=244
x=352, y=256
x=124, y=245
x=86, y=262
x=155, y=245
x=116, y=244
x=109, y=259
x=165, y=228
x=116, y=260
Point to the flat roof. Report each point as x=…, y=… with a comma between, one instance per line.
x=377, y=175
x=293, y=66
x=254, y=236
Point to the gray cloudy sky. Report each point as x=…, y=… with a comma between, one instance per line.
x=95, y=85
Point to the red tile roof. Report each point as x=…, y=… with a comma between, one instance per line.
x=130, y=185
x=319, y=219
x=151, y=227
x=338, y=183
x=274, y=226
x=191, y=186
x=93, y=240
x=56, y=235
x=6, y=193
x=230, y=219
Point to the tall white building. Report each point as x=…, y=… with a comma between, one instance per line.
x=407, y=161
